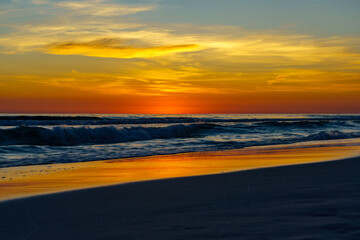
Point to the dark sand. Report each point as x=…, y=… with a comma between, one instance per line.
x=309, y=201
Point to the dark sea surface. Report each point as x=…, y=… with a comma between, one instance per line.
x=46, y=139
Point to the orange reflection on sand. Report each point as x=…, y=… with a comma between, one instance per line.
x=33, y=180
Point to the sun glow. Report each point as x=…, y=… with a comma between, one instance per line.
x=167, y=107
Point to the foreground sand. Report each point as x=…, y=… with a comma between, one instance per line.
x=310, y=201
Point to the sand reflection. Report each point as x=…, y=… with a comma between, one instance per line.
x=33, y=180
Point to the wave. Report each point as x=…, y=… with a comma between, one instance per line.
x=18, y=155
x=299, y=124
x=38, y=120
x=333, y=134
x=85, y=120
x=68, y=136
x=47, y=118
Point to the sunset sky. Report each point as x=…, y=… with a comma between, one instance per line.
x=180, y=56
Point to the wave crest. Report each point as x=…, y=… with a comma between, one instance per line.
x=333, y=134
x=67, y=136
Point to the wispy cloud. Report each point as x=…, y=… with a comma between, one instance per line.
x=101, y=8
x=31, y=37
x=112, y=48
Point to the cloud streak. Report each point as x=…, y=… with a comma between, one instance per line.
x=101, y=8
x=110, y=48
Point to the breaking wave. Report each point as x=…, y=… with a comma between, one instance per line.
x=67, y=136
x=333, y=134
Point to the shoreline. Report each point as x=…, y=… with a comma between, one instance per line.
x=28, y=181
x=305, y=201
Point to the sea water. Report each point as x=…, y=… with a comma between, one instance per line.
x=30, y=139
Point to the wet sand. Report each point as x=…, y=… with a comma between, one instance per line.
x=43, y=179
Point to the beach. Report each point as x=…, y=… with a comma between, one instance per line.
x=256, y=176
x=301, y=201
x=179, y=120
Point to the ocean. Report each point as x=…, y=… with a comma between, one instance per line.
x=31, y=139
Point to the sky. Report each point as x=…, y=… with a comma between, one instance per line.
x=180, y=56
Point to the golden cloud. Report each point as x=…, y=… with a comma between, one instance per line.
x=110, y=48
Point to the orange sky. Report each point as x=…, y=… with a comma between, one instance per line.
x=94, y=59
